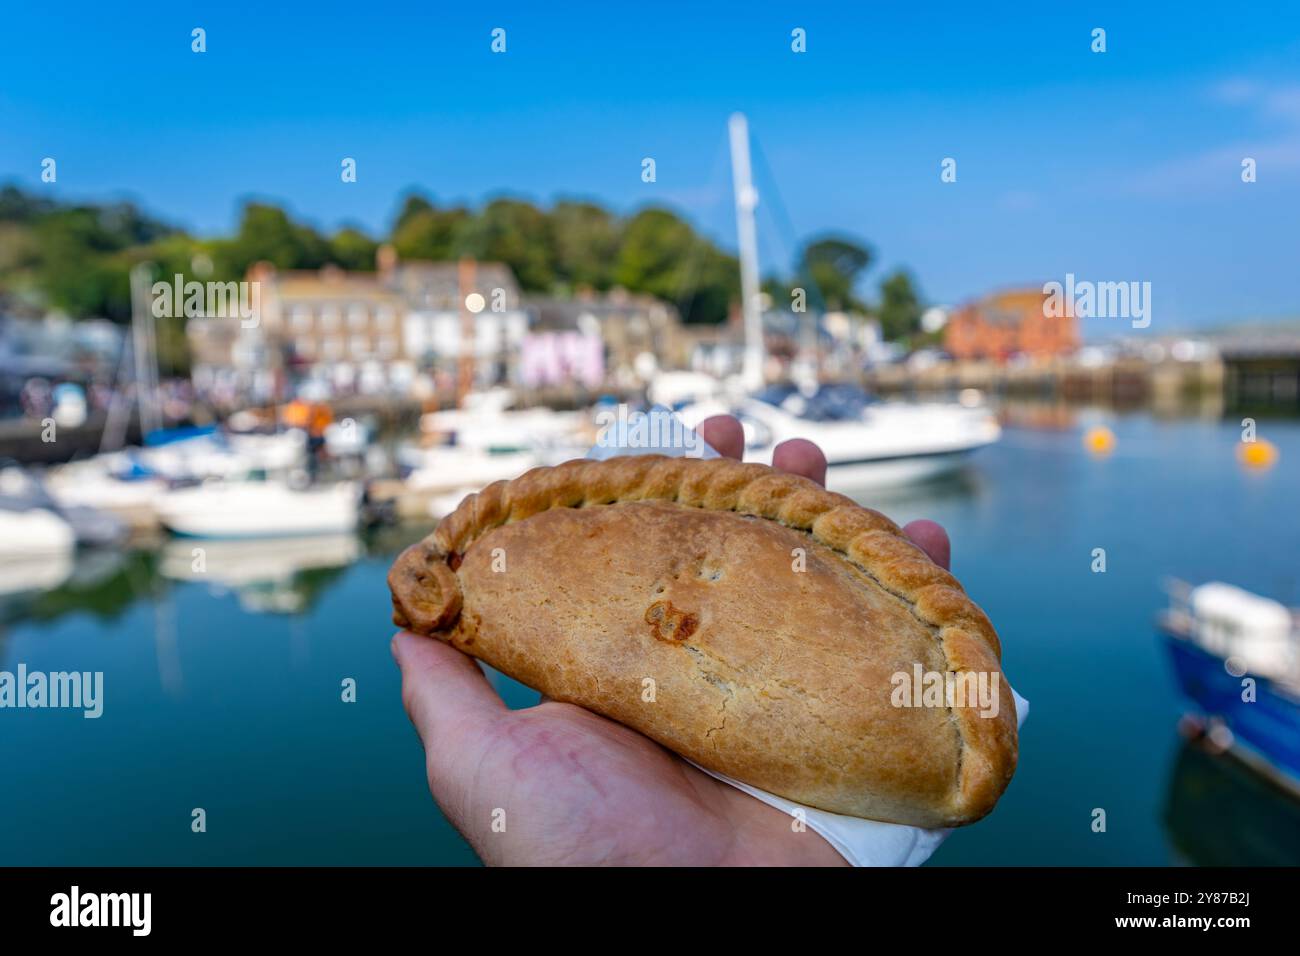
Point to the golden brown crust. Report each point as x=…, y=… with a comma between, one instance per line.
x=427, y=598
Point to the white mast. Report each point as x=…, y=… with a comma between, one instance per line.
x=747, y=238
x=144, y=345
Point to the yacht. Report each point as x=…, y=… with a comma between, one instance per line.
x=868, y=443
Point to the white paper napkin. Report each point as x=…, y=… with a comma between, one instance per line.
x=861, y=842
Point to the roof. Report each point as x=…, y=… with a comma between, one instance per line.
x=437, y=284
x=420, y=284
x=553, y=313
x=1009, y=307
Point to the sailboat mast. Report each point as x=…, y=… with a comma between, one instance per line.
x=144, y=349
x=747, y=239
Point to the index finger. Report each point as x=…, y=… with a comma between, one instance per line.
x=724, y=435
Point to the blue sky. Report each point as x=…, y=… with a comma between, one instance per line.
x=1117, y=166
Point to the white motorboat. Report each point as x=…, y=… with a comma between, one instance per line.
x=33, y=533
x=486, y=423
x=450, y=467
x=23, y=491
x=259, y=509
x=483, y=442
x=867, y=443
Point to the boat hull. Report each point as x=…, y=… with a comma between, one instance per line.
x=258, y=511
x=1268, y=727
x=846, y=476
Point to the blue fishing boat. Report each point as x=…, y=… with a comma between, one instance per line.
x=1236, y=657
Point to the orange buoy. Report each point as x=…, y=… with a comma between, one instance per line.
x=1099, y=440
x=1260, y=453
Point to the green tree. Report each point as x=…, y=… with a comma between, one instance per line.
x=414, y=205
x=74, y=270
x=423, y=231
x=266, y=233
x=586, y=244
x=78, y=257
x=831, y=268
x=900, y=307
x=516, y=233
x=353, y=250
x=17, y=206
x=660, y=254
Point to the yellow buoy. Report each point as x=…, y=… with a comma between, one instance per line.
x=1260, y=453
x=1099, y=440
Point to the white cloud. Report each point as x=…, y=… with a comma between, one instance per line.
x=1218, y=168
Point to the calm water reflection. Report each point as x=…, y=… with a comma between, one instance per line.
x=223, y=673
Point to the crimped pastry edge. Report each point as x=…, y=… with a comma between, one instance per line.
x=427, y=598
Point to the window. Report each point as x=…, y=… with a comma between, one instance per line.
x=388, y=346
x=332, y=350
x=359, y=346
x=300, y=316
x=386, y=317
x=358, y=316
x=329, y=318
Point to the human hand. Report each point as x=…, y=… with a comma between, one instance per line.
x=578, y=789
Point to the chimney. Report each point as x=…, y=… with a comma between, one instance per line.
x=386, y=260
x=261, y=271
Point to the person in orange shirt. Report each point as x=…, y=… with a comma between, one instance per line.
x=318, y=418
x=295, y=414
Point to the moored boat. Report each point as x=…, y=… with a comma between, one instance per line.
x=1235, y=657
x=258, y=509
x=867, y=443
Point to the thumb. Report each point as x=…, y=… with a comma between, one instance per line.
x=443, y=690
x=454, y=710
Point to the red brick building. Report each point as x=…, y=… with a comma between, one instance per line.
x=1009, y=323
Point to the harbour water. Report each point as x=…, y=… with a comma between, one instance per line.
x=223, y=690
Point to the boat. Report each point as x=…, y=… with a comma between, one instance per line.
x=130, y=482
x=23, y=491
x=867, y=442
x=33, y=533
x=259, y=509
x=483, y=441
x=448, y=467
x=1234, y=655
x=486, y=423
x=196, y=454
x=92, y=483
